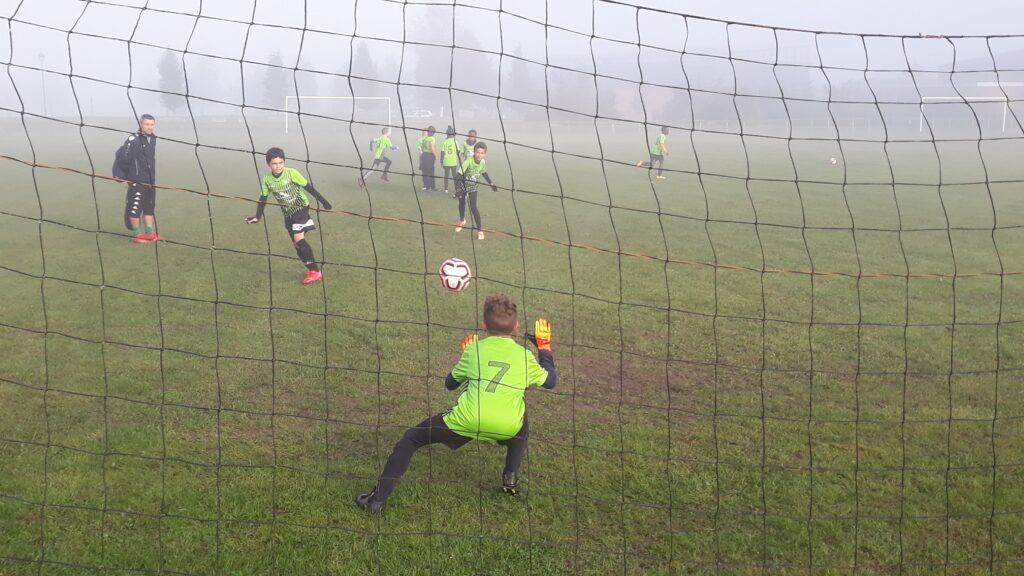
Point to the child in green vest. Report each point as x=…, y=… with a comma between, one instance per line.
x=428, y=157
x=495, y=372
x=449, y=156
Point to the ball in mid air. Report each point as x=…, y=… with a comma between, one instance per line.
x=455, y=274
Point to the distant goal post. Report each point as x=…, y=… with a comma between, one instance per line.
x=967, y=99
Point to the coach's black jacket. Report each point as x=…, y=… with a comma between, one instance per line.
x=138, y=160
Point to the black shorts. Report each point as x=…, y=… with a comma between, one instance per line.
x=298, y=222
x=140, y=200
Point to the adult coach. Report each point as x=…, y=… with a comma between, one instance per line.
x=136, y=163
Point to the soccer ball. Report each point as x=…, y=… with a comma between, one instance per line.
x=455, y=274
x=832, y=161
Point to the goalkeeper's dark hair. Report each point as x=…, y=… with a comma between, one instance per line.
x=480, y=146
x=500, y=314
x=275, y=152
x=145, y=117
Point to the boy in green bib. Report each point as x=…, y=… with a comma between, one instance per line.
x=291, y=191
x=495, y=373
x=449, y=156
x=427, y=146
x=658, y=153
x=466, y=150
x=381, y=145
x=466, y=184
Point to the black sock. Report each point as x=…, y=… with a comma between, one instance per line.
x=305, y=252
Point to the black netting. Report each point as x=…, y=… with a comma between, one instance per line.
x=794, y=346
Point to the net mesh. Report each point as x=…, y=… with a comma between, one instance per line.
x=799, y=351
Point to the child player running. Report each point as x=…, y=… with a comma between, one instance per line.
x=381, y=144
x=658, y=153
x=496, y=372
x=289, y=188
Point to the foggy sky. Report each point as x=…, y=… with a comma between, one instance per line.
x=245, y=52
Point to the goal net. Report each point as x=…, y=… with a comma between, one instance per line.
x=793, y=343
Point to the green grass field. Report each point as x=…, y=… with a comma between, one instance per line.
x=192, y=408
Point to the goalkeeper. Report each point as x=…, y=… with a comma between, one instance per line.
x=289, y=188
x=496, y=372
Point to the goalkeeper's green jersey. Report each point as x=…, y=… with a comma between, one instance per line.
x=383, y=143
x=472, y=171
x=497, y=371
x=287, y=189
x=658, y=143
x=449, y=152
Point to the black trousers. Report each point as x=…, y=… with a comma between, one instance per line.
x=449, y=171
x=433, y=430
x=427, y=162
x=382, y=160
x=472, y=208
x=660, y=159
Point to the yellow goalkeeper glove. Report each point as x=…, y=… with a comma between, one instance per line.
x=541, y=334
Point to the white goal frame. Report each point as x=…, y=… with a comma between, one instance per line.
x=289, y=98
x=1004, y=99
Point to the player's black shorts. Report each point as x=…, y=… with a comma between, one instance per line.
x=299, y=221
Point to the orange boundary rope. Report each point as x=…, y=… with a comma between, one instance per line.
x=695, y=263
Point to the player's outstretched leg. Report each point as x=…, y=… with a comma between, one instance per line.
x=433, y=430
x=362, y=177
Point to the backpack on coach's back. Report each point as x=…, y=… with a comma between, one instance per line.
x=120, y=168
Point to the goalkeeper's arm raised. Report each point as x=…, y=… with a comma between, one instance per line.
x=541, y=337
